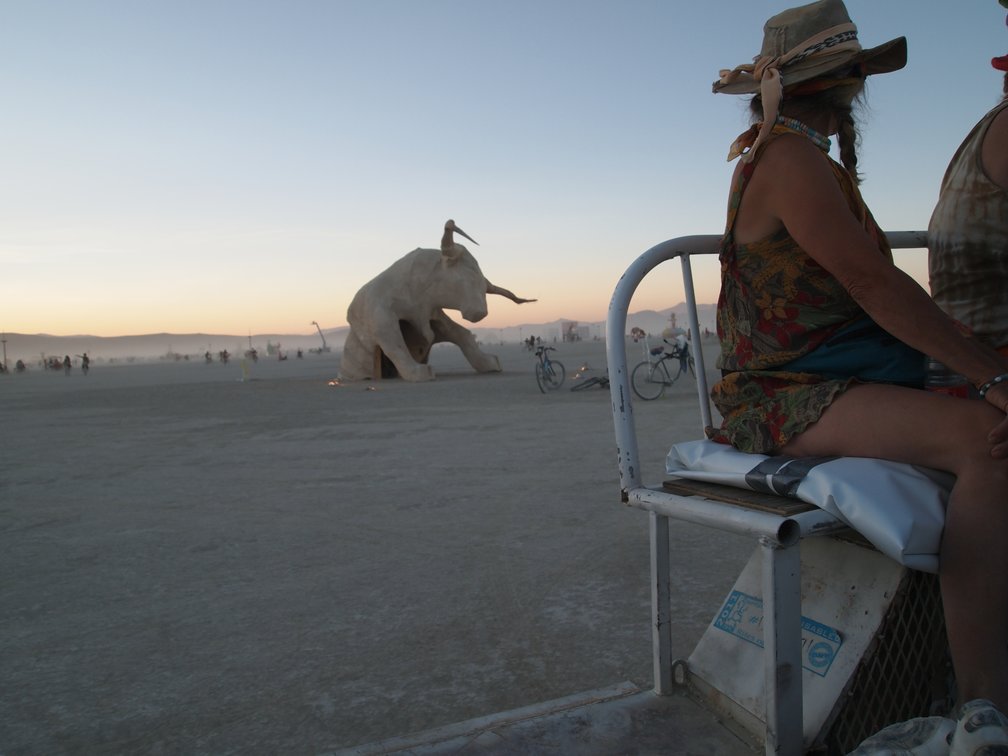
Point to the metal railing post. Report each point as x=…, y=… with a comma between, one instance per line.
x=782, y=647
x=661, y=604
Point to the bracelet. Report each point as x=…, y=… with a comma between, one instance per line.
x=992, y=383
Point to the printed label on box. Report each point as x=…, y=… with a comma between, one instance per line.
x=742, y=616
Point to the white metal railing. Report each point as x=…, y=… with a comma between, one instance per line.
x=777, y=535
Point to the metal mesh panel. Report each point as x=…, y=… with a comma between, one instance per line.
x=905, y=673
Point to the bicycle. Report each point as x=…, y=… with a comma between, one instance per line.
x=650, y=379
x=602, y=381
x=549, y=373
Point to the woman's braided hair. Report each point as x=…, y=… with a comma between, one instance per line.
x=848, y=139
x=839, y=102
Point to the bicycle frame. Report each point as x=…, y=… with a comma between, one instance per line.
x=550, y=373
x=662, y=364
x=653, y=376
x=544, y=358
x=682, y=363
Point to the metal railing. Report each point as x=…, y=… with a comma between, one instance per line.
x=778, y=535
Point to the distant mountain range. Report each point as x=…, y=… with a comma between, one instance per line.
x=31, y=347
x=651, y=321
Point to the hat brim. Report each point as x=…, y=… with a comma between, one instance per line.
x=885, y=58
x=1001, y=64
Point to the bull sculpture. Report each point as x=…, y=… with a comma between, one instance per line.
x=398, y=315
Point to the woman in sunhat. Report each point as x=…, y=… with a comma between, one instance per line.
x=823, y=338
x=968, y=233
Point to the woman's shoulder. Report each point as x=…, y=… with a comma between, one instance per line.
x=789, y=161
x=791, y=147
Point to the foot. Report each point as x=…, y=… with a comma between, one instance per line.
x=923, y=736
x=982, y=730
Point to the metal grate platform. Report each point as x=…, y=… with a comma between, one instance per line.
x=906, y=673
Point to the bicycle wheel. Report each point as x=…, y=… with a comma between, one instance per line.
x=648, y=380
x=587, y=383
x=541, y=378
x=550, y=376
x=555, y=374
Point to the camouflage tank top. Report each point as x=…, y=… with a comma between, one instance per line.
x=968, y=240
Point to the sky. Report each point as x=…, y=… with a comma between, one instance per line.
x=245, y=166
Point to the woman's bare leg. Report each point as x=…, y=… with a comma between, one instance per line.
x=907, y=425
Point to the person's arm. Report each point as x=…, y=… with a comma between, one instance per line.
x=806, y=198
x=994, y=153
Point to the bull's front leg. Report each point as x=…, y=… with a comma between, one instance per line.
x=446, y=329
x=407, y=367
x=390, y=340
x=385, y=333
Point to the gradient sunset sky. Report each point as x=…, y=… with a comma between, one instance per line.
x=234, y=166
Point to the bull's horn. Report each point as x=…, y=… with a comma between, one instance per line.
x=447, y=241
x=492, y=289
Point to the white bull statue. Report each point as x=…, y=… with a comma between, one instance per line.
x=398, y=315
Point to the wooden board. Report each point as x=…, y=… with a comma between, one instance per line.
x=778, y=505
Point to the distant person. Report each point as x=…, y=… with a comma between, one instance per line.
x=66, y=364
x=208, y=358
x=968, y=232
x=85, y=363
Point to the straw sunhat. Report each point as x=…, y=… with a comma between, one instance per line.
x=809, y=41
x=799, y=45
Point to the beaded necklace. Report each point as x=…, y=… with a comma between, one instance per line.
x=818, y=139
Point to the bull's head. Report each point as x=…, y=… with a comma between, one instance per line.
x=467, y=288
x=470, y=286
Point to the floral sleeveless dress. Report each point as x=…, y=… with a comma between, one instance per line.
x=777, y=306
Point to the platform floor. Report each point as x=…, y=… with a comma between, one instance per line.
x=622, y=719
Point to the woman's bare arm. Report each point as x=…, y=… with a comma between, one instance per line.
x=803, y=194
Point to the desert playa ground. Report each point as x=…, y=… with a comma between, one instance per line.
x=201, y=559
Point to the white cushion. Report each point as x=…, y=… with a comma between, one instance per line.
x=900, y=508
